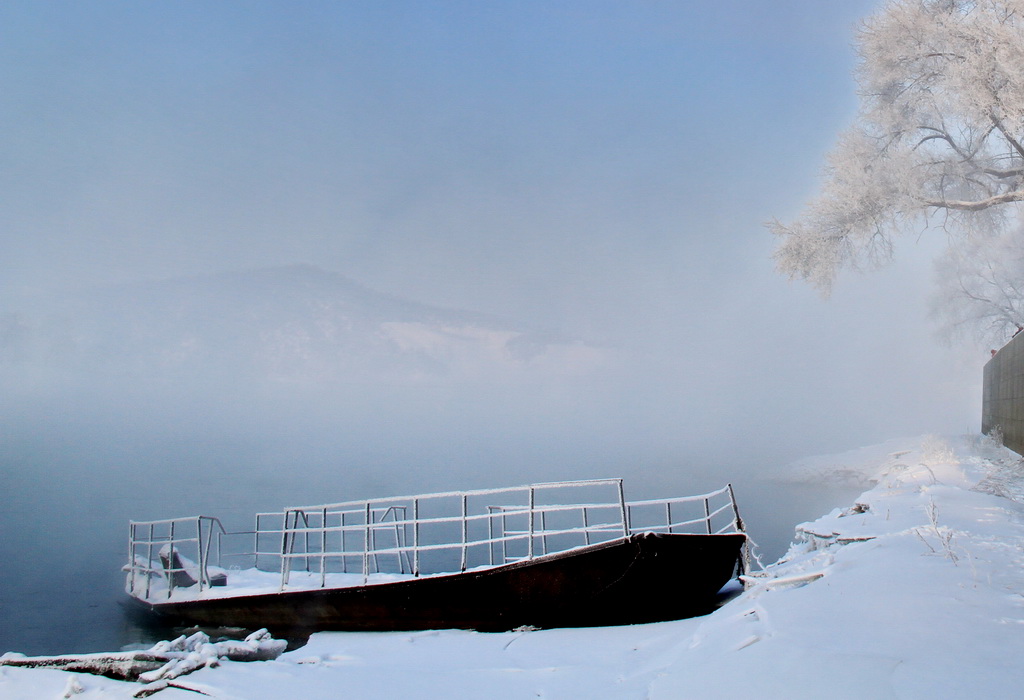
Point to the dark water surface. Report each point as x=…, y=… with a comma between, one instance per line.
x=71, y=486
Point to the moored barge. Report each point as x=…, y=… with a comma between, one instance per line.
x=565, y=554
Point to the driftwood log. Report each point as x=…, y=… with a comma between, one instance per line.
x=123, y=666
x=165, y=660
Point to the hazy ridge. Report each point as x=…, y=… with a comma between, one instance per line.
x=295, y=323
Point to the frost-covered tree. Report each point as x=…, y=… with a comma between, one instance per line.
x=937, y=141
x=981, y=288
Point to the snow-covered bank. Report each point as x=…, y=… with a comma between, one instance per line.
x=914, y=591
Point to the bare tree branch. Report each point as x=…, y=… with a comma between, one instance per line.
x=959, y=205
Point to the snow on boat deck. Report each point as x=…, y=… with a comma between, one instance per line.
x=243, y=582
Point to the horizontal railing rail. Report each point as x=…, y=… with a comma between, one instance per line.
x=477, y=492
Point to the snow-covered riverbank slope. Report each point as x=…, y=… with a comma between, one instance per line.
x=914, y=591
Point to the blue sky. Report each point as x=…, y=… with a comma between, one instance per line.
x=601, y=168
x=389, y=139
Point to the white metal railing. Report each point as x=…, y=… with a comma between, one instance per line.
x=424, y=534
x=177, y=551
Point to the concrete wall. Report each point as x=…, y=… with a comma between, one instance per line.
x=1002, y=404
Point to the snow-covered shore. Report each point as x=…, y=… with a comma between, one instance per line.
x=916, y=590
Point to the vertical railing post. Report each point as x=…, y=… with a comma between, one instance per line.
x=209, y=547
x=323, y=547
x=305, y=537
x=402, y=540
x=367, y=517
x=373, y=539
x=131, y=557
x=284, y=546
x=622, y=509
x=737, y=520
x=586, y=527
x=668, y=516
x=170, y=563
x=415, y=537
x=287, y=544
x=149, y=560
x=465, y=531
x=544, y=532
x=744, y=563
x=344, y=557
x=200, y=552
x=504, y=536
x=707, y=514
x=256, y=543
x=529, y=545
x=490, y=535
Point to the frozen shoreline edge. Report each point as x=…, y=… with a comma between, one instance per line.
x=919, y=584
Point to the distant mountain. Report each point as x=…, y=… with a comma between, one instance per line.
x=285, y=324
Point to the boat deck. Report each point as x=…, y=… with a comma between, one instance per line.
x=505, y=541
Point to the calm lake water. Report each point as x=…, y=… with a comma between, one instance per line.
x=70, y=488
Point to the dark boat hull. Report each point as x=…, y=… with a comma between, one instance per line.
x=643, y=578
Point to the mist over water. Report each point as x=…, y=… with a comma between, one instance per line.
x=115, y=422
x=73, y=484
